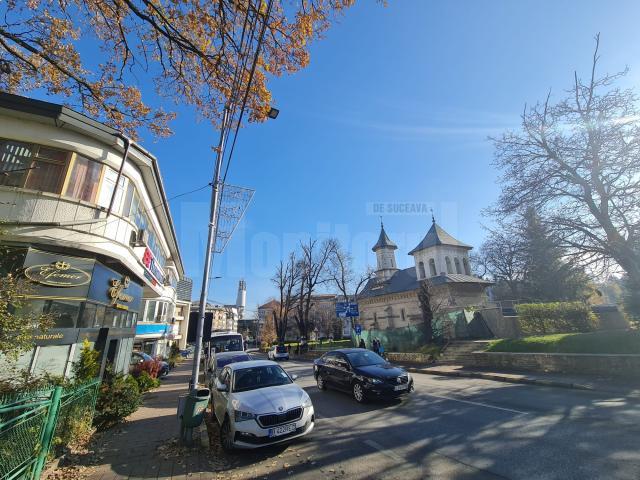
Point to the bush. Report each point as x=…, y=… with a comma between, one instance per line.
x=557, y=317
x=119, y=397
x=146, y=382
x=151, y=367
x=88, y=365
x=174, y=355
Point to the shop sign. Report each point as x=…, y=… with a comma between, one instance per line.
x=117, y=292
x=63, y=336
x=150, y=262
x=57, y=274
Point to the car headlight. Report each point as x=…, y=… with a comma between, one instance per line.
x=307, y=402
x=374, y=381
x=240, y=416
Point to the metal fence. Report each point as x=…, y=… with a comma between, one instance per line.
x=34, y=424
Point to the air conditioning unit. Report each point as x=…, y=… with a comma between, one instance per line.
x=139, y=238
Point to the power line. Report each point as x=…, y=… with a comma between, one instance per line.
x=246, y=95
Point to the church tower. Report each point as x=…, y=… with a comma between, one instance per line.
x=385, y=255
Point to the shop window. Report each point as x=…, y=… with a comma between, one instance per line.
x=84, y=179
x=100, y=314
x=21, y=364
x=48, y=169
x=51, y=360
x=15, y=158
x=88, y=316
x=65, y=312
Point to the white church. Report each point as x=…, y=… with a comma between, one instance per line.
x=390, y=299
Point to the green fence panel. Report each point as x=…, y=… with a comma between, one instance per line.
x=23, y=418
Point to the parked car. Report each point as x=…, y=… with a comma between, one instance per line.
x=141, y=357
x=363, y=373
x=278, y=352
x=222, y=359
x=257, y=403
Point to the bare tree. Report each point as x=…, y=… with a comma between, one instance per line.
x=502, y=255
x=342, y=275
x=315, y=257
x=286, y=279
x=431, y=304
x=576, y=163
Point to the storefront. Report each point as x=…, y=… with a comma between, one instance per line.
x=87, y=300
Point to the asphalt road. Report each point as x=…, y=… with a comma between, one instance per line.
x=455, y=428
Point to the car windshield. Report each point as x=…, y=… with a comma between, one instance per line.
x=360, y=359
x=227, y=343
x=223, y=362
x=259, y=377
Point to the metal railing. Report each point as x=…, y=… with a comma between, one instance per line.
x=34, y=424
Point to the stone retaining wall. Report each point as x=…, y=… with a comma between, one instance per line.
x=401, y=357
x=573, y=363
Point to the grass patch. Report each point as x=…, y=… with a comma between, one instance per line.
x=614, y=342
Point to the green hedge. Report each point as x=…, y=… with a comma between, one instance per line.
x=557, y=317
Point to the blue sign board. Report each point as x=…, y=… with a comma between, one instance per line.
x=358, y=329
x=152, y=329
x=347, y=309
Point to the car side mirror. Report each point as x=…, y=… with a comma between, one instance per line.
x=221, y=387
x=294, y=377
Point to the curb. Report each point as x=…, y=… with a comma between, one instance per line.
x=503, y=378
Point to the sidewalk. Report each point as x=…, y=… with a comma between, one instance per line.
x=616, y=385
x=146, y=445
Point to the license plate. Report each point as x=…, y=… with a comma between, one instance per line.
x=404, y=386
x=282, y=430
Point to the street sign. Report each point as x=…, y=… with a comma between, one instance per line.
x=347, y=309
x=358, y=329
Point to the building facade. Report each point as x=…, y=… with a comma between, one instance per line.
x=390, y=299
x=87, y=222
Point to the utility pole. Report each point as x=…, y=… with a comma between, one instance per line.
x=211, y=240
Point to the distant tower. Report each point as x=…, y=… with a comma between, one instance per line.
x=241, y=300
x=385, y=255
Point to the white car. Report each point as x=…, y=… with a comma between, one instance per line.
x=278, y=352
x=257, y=403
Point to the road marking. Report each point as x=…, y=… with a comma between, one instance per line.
x=477, y=404
x=389, y=453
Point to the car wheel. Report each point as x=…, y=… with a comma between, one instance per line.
x=358, y=392
x=225, y=435
x=320, y=382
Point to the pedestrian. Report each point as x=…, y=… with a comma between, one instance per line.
x=376, y=345
x=362, y=344
x=381, y=349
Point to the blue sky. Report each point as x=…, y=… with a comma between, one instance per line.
x=394, y=109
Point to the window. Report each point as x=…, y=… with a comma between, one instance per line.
x=108, y=187
x=432, y=267
x=402, y=315
x=457, y=264
x=465, y=264
x=88, y=315
x=422, y=273
x=128, y=199
x=15, y=158
x=447, y=260
x=51, y=359
x=48, y=169
x=84, y=179
x=150, y=311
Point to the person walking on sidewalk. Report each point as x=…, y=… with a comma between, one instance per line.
x=362, y=344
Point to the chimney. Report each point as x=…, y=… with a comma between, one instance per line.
x=241, y=300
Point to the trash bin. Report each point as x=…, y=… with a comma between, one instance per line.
x=193, y=407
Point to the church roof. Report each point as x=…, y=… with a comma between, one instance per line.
x=406, y=281
x=384, y=241
x=437, y=236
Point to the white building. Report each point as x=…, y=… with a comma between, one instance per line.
x=78, y=196
x=390, y=300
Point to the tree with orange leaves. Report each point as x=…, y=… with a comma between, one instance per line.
x=196, y=52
